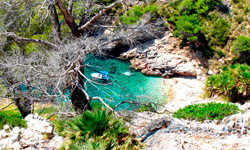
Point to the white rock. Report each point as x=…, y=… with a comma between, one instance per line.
x=6, y=127
x=4, y=143
x=170, y=34
x=16, y=130
x=28, y=117
x=5, y=135
x=1, y=134
x=15, y=146
x=36, y=116
x=14, y=138
x=56, y=142
x=39, y=124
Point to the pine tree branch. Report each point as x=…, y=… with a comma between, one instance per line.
x=23, y=39
x=100, y=14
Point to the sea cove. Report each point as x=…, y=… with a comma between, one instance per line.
x=124, y=84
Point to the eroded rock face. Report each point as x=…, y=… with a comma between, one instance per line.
x=38, y=135
x=39, y=124
x=162, y=58
x=161, y=131
x=145, y=123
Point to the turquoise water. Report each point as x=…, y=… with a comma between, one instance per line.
x=135, y=87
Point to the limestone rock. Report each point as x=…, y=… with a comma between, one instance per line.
x=31, y=138
x=56, y=142
x=157, y=59
x=6, y=127
x=39, y=124
x=146, y=123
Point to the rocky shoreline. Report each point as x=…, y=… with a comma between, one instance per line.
x=162, y=57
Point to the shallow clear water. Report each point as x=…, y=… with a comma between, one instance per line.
x=124, y=84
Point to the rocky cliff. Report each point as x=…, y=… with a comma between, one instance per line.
x=162, y=57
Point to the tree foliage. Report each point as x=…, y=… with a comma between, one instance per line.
x=188, y=19
x=136, y=12
x=219, y=33
x=241, y=47
x=188, y=27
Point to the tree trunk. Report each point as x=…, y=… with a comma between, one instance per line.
x=24, y=106
x=69, y=19
x=79, y=100
x=55, y=23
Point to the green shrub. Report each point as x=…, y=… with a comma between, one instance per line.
x=241, y=44
x=11, y=117
x=97, y=129
x=201, y=7
x=187, y=7
x=235, y=1
x=239, y=19
x=188, y=27
x=204, y=6
x=233, y=82
x=221, y=53
x=209, y=111
x=219, y=33
x=241, y=47
x=48, y=110
x=246, y=10
x=137, y=12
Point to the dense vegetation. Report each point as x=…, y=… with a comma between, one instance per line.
x=208, y=111
x=13, y=118
x=232, y=82
x=96, y=129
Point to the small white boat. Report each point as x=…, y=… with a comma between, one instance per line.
x=103, y=75
x=127, y=73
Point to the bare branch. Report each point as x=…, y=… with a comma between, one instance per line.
x=23, y=39
x=100, y=14
x=70, y=6
x=106, y=105
x=106, y=26
x=6, y=106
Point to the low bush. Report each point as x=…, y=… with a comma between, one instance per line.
x=208, y=111
x=96, y=129
x=219, y=33
x=11, y=117
x=232, y=82
x=241, y=47
x=201, y=7
x=48, y=110
x=136, y=12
